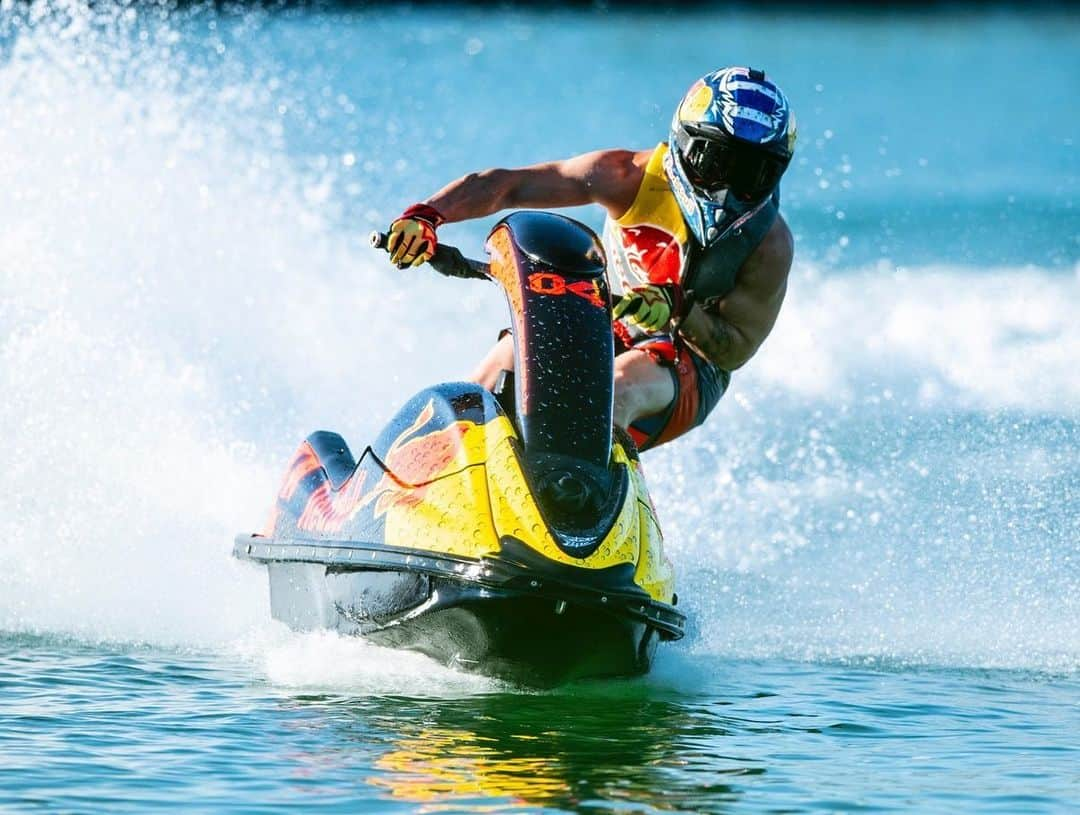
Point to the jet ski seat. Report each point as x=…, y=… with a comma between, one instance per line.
x=334, y=454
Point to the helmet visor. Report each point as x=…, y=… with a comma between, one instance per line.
x=717, y=161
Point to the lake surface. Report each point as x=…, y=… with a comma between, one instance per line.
x=877, y=533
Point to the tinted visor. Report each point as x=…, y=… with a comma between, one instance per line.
x=716, y=161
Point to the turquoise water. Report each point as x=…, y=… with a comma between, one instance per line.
x=876, y=533
x=129, y=729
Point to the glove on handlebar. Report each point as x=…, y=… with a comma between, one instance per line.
x=651, y=307
x=411, y=239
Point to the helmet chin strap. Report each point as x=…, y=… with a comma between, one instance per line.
x=721, y=216
x=730, y=209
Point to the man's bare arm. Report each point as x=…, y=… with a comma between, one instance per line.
x=733, y=333
x=606, y=177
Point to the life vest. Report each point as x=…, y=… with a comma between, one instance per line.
x=651, y=243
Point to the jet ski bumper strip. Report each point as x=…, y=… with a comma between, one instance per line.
x=490, y=572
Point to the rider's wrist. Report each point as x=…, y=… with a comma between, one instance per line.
x=425, y=212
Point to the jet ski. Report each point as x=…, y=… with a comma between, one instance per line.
x=508, y=533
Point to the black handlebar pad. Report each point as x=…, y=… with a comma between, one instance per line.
x=448, y=260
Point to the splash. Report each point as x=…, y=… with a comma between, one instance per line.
x=897, y=479
x=176, y=312
x=329, y=663
x=934, y=337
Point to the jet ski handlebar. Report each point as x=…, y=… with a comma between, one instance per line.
x=448, y=260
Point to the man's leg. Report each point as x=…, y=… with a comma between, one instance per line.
x=499, y=358
x=643, y=387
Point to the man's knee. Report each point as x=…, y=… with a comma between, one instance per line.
x=643, y=387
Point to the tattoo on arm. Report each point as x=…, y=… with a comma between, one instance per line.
x=721, y=338
x=717, y=340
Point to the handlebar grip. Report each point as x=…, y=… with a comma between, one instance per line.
x=447, y=260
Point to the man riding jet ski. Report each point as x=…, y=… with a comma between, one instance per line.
x=504, y=525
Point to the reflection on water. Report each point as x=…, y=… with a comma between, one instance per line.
x=757, y=736
x=760, y=736
x=560, y=751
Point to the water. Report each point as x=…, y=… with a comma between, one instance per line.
x=876, y=533
x=754, y=734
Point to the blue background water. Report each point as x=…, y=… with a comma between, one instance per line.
x=876, y=533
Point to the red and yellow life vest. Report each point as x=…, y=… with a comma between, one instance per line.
x=649, y=243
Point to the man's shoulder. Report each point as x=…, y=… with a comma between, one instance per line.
x=768, y=265
x=614, y=177
x=621, y=163
x=777, y=248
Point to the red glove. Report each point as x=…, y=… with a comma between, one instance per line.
x=411, y=240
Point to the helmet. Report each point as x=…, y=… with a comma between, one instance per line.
x=732, y=137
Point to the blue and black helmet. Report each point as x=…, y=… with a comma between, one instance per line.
x=732, y=138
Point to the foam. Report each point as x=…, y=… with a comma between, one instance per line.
x=938, y=336
x=326, y=662
x=175, y=317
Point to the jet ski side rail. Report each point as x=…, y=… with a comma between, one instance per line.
x=347, y=555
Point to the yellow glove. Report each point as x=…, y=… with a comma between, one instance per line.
x=411, y=239
x=650, y=307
